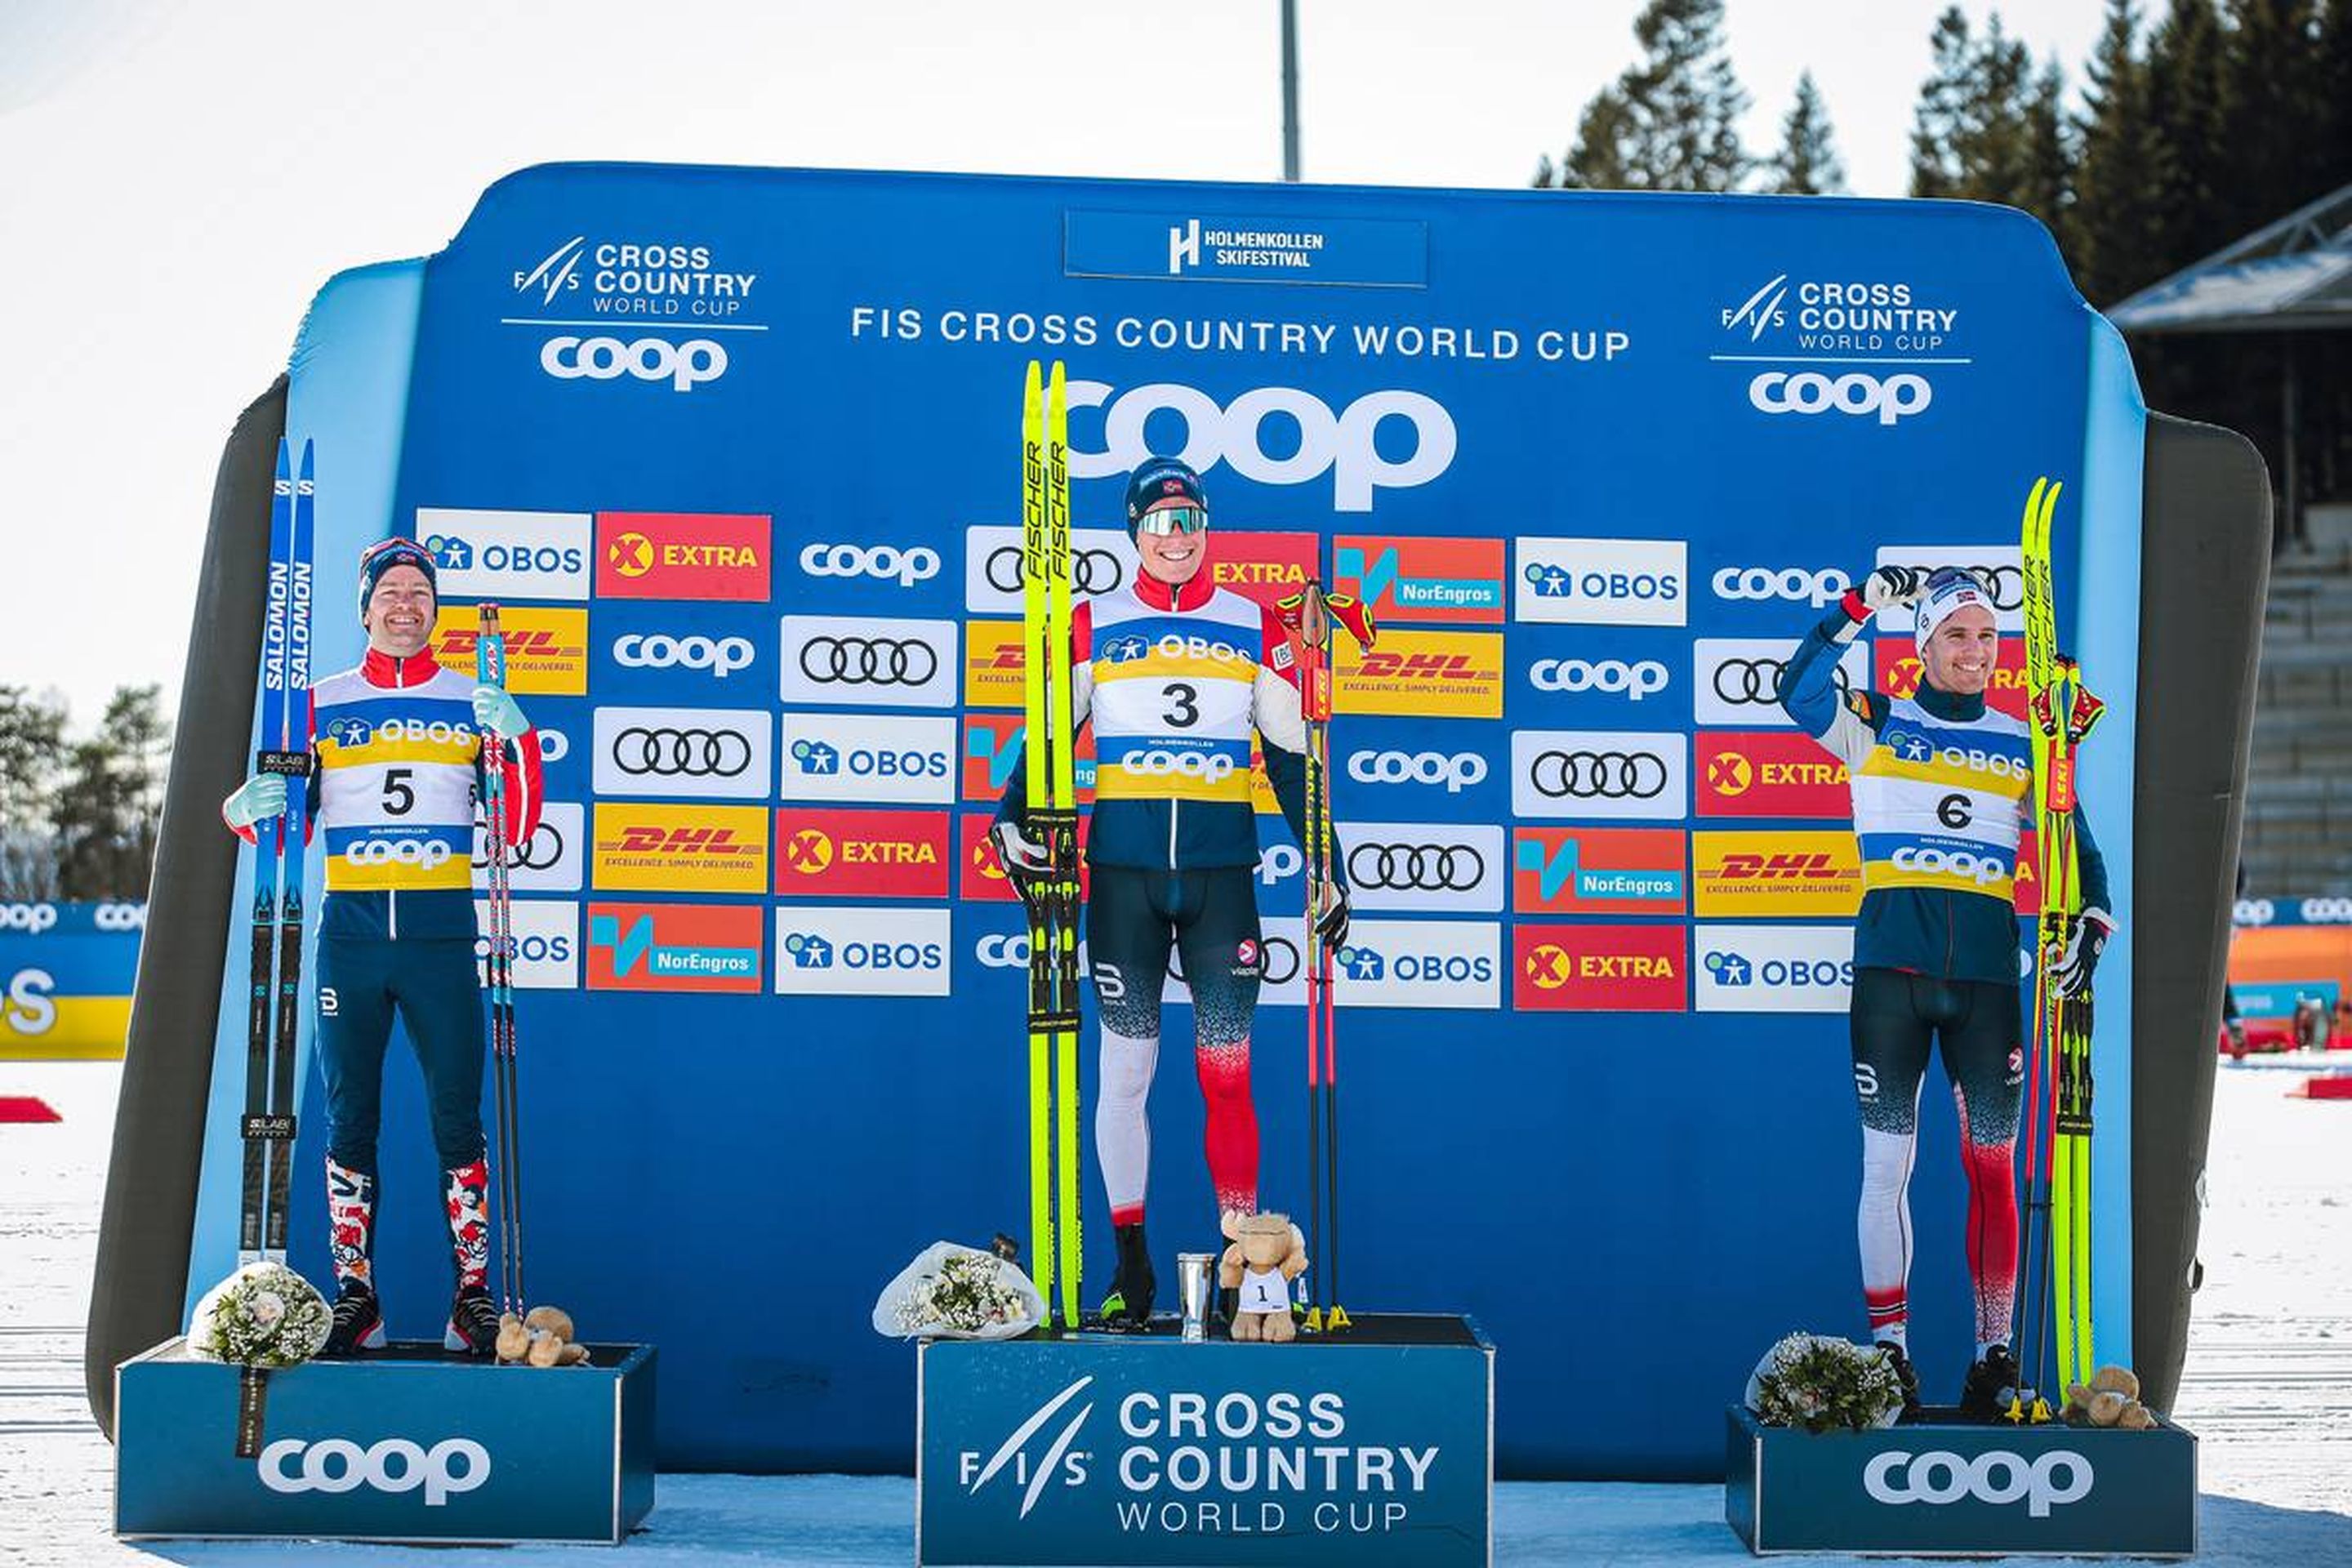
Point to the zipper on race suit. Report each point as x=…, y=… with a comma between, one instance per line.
x=391, y=895
x=1174, y=807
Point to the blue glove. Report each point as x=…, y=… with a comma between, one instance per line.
x=496, y=711
x=261, y=798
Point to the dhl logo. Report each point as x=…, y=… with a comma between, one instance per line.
x=547, y=649
x=715, y=848
x=1379, y=666
x=717, y=843
x=994, y=660
x=1820, y=868
x=1422, y=673
x=1793, y=872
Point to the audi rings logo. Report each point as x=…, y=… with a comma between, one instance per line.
x=1457, y=770
x=1756, y=682
x=869, y=661
x=684, y=365
x=540, y=852
x=722, y=656
x=1416, y=867
x=395, y=1465
x=1997, y=1476
x=681, y=753
x=887, y=561
x=1091, y=571
x=2005, y=583
x=425, y=852
x=1599, y=775
x=1811, y=392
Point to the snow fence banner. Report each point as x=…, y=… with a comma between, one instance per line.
x=737, y=450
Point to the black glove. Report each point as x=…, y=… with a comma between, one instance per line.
x=2072, y=969
x=1891, y=587
x=1331, y=925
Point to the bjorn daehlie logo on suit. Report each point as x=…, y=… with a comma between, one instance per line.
x=662, y=289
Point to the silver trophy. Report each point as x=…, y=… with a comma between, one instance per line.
x=1196, y=1280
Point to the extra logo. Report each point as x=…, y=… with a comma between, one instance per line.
x=1263, y=566
x=1997, y=1476
x=1601, y=582
x=1768, y=774
x=1599, y=870
x=547, y=649
x=1619, y=774
x=716, y=657
x=646, y=847
x=1422, y=674
x=681, y=556
x=862, y=854
x=1886, y=399
x=674, y=947
x=2000, y=567
x=1609, y=676
x=1449, y=581
x=542, y=942
x=901, y=564
x=1735, y=681
x=854, y=659
x=1102, y=561
x=1414, y=866
x=397, y=1465
x=704, y=754
x=868, y=757
x=851, y=950
x=1420, y=963
x=1774, y=968
x=1340, y=444
x=685, y=364
x=506, y=555
x=1793, y=871
x=992, y=748
x=1599, y=968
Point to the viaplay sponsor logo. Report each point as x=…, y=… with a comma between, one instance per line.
x=506, y=555
x=1774, y=969
x=681, y=556
x=1599, y=968
x=1600, y=582
x=657, y=849
x=1445, y=581
x=1899, y=670
x=992, y=748
x=1600, y=871
x=1455, y=675
x=850, y=950
x=1765, y=773
x=861, y=854
x=674, y=947
x=1790, y=871
x=547, y=649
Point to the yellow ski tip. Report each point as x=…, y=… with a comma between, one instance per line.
x=1336, y=1321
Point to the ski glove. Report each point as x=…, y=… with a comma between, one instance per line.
x=496, y=711
x=2084, y=945
x=1891, y=589
x=1022, y=857
x=261, y=798
x=1331, y=925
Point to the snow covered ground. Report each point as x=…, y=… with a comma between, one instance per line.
x=2268, y=1390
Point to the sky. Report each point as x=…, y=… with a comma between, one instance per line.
x=177, y=180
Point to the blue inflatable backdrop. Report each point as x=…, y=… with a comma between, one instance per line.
x=739, y=448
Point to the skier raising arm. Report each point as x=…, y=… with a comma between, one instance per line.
x=1174, y=673
x=1941, y=786
x=395, y=764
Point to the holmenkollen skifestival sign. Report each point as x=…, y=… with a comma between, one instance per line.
x=737, y=451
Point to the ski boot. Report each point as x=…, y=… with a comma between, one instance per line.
x=1992, y=1385
x=473, y=1322
x=1127, y=1307
x=351, y=1242
x=473, y=1316
x=1904, y=1375
x=359, y=1323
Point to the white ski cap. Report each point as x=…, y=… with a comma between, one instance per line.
x=1950, y=588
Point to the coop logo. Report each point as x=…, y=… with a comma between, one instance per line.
x=547, y=647
x=884, y=562
x=1809, y=392
x=397, y=1465
x=1819, y=588
x=1598, y=870
x=862, y=854
x=1600, y=582
x=868, y=758
x=1443, y=580
x=859, y=660
x=720, y=657
x=506, y=554
x=542, y=942
x=681, y=556
x=1421, y=963
x=1054, y=1462
x=1998, y=1477
x=31, y=919
x=860, y=951
x=1457, y=771
x=1797, y=871
x=1610, y=677
x=684, y=366
x=1774, y=968
x=707, y=753
x=647, y=847
x=1340, y=444
x=120, y=917
x=1599, y=968
x=1424, y=674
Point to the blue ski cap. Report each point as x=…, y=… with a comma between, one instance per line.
x=1166, y=483
x=1949, y=589
x=379, y=558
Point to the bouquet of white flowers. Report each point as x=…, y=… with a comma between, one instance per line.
x=953, y=1292
x=1818, y=1382
x=263, y=1315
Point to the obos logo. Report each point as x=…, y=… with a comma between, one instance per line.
x=1341, y=444
x=868, y=758
x=848, y=950
x=1774, y=969
x=395, y=1464
x=1600, y=582
x=507, y=554
x=1420, y=963
x=1997, y=1476
x=542, y=942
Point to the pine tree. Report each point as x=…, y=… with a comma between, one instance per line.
x=2331, y=145
x=2115, y=221
x=2269, y=108
x=1808, y=164
x=2191, y=162
x=109, y=808
x=32, y=756
x=1990, y=127
x=1940, y=122
x=1672, y=122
